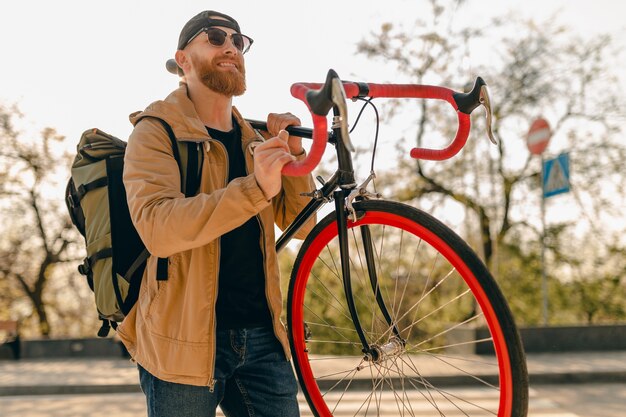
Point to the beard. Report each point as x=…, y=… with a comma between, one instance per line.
x=228, y=83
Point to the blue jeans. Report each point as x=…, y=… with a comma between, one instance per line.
x=253, y=379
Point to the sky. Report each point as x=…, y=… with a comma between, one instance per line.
x=74, y=65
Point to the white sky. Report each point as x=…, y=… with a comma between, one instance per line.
x=74, y=65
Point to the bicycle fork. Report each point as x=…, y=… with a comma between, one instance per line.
x=375, y=351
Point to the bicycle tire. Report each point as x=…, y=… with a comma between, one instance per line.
x=439, y=373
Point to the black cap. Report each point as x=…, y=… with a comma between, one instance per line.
x=205, y=19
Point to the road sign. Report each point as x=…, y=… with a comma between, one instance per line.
x=556, y=176
x=538, y=136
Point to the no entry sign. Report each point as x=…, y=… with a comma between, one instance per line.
x=538, y=136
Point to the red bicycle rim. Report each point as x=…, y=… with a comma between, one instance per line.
x=389, y=219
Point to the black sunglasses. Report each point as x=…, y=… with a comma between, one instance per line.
x=217, y=37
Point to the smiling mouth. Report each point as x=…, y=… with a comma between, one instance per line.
x=227, y=65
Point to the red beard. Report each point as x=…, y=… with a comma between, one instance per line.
x=228, y=83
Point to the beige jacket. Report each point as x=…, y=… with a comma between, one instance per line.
x=171, y=329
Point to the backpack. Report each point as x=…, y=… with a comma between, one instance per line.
x=96, y=200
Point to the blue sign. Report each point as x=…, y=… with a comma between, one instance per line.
x=556, y=176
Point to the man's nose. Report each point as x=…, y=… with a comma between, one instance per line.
x=229, y=46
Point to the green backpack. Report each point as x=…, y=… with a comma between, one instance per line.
x=96, y=201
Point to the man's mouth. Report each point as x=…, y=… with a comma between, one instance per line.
x=227, y=65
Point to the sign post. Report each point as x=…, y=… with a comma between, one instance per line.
x=537, y=141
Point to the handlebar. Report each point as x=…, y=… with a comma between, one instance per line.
x=320, y=98
x=303, y=132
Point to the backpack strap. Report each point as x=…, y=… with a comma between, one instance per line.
x=193, y=177
x=85, y=188
x=192, y=174
x=189, y=186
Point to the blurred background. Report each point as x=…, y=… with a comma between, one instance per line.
x=69, y=66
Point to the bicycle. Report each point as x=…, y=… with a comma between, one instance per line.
x=399, y=312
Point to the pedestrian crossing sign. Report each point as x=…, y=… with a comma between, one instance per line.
x=555, y=176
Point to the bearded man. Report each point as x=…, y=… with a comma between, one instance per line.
x=206, y=329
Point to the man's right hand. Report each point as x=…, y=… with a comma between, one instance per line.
x=269, y=159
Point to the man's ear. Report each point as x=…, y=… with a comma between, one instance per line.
x=182, y=59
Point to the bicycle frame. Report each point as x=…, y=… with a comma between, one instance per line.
x=338, y=188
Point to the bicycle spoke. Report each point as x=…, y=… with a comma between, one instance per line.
x=358, y=252
x=431, y=388
x=403, y=398
x=447, y=330
x=334, y=329
x=426, y=385
x=406, y=281
x=395, y=291
x=437, y=310
x=343, y=312
x=447, y=346
x=447, y=395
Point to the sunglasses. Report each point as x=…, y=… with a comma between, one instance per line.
x=217, y=37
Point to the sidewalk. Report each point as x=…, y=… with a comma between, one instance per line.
x=100, y=376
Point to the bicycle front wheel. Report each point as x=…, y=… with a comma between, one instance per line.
x=445, y=340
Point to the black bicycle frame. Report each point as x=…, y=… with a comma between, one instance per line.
x=337, y=188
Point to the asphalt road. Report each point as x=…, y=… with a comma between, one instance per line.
x=567, y=400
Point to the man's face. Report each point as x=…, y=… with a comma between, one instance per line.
x=220, y=68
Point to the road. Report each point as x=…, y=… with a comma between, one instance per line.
x=570, y=400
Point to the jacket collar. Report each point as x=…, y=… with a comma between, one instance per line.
x=178, y=111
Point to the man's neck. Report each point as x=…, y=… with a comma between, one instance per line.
x=214, y=109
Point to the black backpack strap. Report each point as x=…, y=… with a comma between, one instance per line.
x=194, y=157
x=143, y=256
x=190, y=187
x=192, y=178
x=162, y=263
x=85, y=188
x=174, y=141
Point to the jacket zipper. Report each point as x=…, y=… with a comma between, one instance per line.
x=212, y=380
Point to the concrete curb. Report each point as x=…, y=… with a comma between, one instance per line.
x=68, y=389
x=356, y=385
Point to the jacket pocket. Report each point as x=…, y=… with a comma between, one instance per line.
x=159, y=287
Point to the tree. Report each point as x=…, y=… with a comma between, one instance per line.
x=38, y=240
x=534, y=69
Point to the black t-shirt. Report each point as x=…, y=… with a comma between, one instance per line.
x=241, y=300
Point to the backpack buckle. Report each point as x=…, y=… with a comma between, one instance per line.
x=70, y=201
x=85, y=267
x=104, y=329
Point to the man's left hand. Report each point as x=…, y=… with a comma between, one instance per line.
x=279, y=121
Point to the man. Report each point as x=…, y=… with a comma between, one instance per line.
x=211, y=333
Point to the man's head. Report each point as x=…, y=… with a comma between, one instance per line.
x=210, y=50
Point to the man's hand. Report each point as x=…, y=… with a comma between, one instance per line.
x=269, y=159
x=277, y=122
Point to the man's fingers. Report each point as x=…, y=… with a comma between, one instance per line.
x=277, y=122
x=283, y=135
x=271, y=158
x=279, y=141
x=279, y=163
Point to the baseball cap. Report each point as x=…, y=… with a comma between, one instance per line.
x=205, y=19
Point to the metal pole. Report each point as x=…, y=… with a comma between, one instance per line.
x=544, y=278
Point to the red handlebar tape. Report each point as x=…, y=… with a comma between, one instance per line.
x=320, y=134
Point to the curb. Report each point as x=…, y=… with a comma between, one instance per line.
x=25, y=390
x=356, y=385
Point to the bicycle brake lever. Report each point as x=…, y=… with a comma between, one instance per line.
x=485, y=100
x=338, y=96
x=467, y=102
